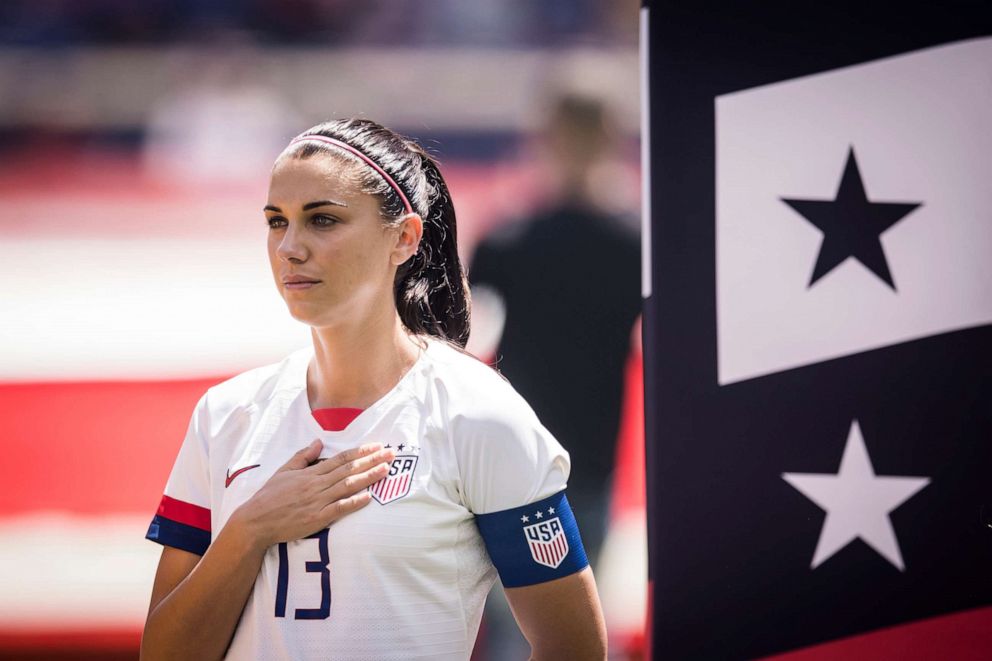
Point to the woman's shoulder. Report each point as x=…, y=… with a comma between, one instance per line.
x=504, y=456
x=459, y=369
x=474, y=392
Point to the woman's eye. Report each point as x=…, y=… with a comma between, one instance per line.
x=324, y=221
x=276, y=221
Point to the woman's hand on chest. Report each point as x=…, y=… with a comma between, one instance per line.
x=303, y=497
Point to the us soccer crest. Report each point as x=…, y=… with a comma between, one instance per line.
x=397, y=482
x=547, y=542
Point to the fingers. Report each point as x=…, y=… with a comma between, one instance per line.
x=345, y=457
x=342, y=485
x=341, y=508
x=349, y=473
x=303, y=457
x=346, y=477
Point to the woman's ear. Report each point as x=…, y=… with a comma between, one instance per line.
x=408, y=235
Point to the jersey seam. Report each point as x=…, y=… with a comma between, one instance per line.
x=458, y=583
x=239, y=413
x=449, y=437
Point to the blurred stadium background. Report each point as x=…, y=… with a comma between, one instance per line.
x=135, y=141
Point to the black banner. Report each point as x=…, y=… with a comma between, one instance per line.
x=818, y=323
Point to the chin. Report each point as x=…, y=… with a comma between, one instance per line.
x=306, y=314
x=312, y=315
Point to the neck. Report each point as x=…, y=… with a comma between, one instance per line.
x=356, y=364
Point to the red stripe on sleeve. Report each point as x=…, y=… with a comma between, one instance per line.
x=182, y=512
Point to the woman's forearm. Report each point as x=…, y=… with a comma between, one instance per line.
x=198, y=617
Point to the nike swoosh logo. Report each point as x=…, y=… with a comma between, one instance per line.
x=231, y=476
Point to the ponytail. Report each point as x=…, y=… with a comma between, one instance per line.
x=430, y=291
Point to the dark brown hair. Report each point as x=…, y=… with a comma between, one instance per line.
x=431, y=291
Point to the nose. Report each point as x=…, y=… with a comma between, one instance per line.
x=292, y=247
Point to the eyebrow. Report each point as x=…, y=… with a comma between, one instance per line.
x=309, y=205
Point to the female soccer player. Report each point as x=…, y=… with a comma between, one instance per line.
x=352, y=501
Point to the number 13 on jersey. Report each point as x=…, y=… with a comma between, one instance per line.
x=312, y=566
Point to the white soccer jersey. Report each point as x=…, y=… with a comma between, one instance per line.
x=406, y=576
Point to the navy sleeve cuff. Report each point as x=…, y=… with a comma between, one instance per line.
x=178, y=535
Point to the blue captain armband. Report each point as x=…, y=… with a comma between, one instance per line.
x=535, y=543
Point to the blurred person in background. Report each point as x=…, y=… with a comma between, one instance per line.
x=565, y=284
x=568, y=278
x=258, y=533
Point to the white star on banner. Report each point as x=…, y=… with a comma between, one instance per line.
x=857, y=502
x=524, y=519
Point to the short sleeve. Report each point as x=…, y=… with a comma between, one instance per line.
x=513, y=477
x=508, y=459
x=183, y=517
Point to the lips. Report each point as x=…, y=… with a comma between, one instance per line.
x=299, y=282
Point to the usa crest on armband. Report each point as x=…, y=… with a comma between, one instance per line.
x=547, y=541
x=397, y=482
